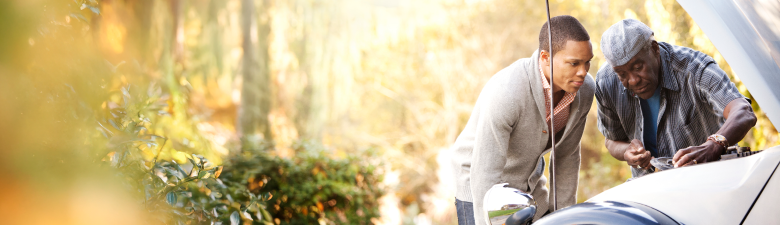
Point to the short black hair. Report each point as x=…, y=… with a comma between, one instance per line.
x=564, y=28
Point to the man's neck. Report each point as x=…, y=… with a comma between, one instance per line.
x=557, y=96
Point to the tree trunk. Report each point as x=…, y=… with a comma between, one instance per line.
x=314, y=55
x=256, y=87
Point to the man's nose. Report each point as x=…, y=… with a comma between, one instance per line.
x=633, y=80
x=582, y=71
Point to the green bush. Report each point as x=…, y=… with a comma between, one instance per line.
x=172, y=193
x=251, y=187
x=312, y=187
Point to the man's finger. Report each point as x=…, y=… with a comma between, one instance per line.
x=631, y=161
x=689, y=163
x=683, y=161
x=680, y=154
x=677, y=156
x=646, y=162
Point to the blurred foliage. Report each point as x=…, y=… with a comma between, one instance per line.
x=101, y=127
x=186, y=192
x=312, y=187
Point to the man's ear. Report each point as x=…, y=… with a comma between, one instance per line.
x=545, y=57
x=656, y=48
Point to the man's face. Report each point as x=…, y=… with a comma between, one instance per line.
x=640, y=74
x=571, y=65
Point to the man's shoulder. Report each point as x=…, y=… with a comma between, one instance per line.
x=518, y=67
x=508, y=87
x=606, y=78
x=685, y=58
x=678, y=50
x=688, y=64
x=509, y=78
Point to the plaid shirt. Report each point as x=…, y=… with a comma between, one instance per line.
x=561, y=110
x=694, y=93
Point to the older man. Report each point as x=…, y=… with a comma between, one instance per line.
x=509, y=130
x=660, y=100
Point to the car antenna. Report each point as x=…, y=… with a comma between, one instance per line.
x=552, y=112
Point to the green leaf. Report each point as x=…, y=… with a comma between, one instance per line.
x=250, y=204
x=266, y=214
x=212, y=205
x=175, y=173
x=204, y=174
x=247, y=215
x=125, y=91
x=194, y=164
x=234, y=218
x=110, y=121
x=178, y=167
x=171, y=197
x=94, y=9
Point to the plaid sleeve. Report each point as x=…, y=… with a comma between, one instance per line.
x=608, y=120
x=716, y=88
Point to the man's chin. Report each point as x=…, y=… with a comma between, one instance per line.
x=572, y=89
x=645, y=96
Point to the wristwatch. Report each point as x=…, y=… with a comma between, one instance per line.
x=719, y=139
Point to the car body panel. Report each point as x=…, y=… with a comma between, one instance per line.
x=747, y=34
x=765, y=209
x=719, y=192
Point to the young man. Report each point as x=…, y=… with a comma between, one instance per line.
x=656, y=98
x=509, y=130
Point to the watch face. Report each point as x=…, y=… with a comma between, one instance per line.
x=720, y=138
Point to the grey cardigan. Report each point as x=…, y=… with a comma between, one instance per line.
x=505, y=139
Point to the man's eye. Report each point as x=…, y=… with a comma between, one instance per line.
x=573, y=64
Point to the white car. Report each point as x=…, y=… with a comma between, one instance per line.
x=744, y=190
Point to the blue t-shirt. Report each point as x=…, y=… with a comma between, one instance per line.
x=650, y=113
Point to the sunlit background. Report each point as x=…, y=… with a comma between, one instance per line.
x=317, y=111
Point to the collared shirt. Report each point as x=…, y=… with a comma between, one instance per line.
x=561, y=110
x=694, y=93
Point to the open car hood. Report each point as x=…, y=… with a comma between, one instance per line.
x=717, y=192
x=747, y=34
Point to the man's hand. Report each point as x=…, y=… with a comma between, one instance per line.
x=707, y=152
x=636, y=155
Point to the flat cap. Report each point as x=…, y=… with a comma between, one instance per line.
x=623, y=40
